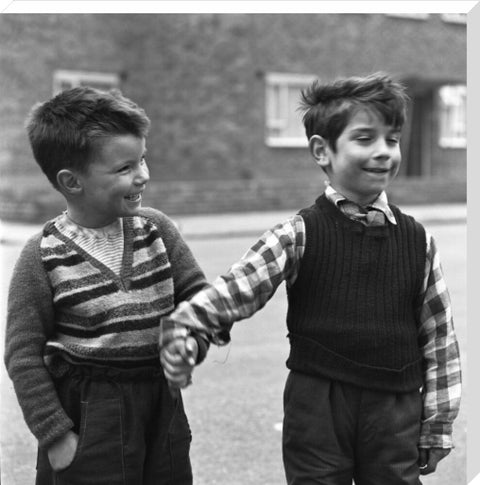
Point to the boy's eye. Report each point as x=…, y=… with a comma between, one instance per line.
x=126, y=168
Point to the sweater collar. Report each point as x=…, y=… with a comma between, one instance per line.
x=74, y=230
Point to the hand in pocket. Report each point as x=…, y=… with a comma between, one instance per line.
x=62, y=452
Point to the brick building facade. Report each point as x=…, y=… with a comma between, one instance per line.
x=220, y=91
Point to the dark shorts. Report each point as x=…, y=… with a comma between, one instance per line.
x=131, y=431
x=334, y=433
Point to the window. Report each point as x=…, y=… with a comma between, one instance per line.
x=284, y=126
x=65, y=79
x=417, y=16
x=452, y=116
x=455, y=18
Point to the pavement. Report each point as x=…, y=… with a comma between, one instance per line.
x=262, y=448
x=249, y=223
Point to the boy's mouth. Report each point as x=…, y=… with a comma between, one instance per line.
x=376, y=170
x=134, y=197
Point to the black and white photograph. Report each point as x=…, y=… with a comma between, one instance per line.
x=233, y=244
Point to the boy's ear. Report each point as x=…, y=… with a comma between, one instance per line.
x=318, y=149
x=68, y=182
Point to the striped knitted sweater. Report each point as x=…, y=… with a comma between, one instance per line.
x=64, y=305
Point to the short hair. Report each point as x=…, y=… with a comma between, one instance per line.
x=329, y=107
x=64, y=130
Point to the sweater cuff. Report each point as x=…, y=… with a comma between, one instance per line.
x=52, y=429
x=203, y=346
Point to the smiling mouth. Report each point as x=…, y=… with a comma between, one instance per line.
x=376, y=170
x=134, y=197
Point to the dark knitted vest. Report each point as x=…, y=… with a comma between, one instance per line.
x=351, y=313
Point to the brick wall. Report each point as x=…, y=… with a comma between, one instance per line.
x=201, y=80
x=37, y=203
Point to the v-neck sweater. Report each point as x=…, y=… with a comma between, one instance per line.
x=104, y=243
x=66, y=306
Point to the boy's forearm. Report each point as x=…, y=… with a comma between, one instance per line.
x=29, y=315
x=441, y=397
x=441, y=358
x=245, y=289
x=34, y=387
x=36, y=394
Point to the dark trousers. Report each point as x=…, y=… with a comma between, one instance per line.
x=131, y=431
x=334, y=433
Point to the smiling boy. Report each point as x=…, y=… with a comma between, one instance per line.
x=113, y=185
x=366, y=159
x=85, y=301
x=374, y=382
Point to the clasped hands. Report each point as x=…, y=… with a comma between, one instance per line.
x=178, y=357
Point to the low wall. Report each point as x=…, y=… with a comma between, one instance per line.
x=38, y=202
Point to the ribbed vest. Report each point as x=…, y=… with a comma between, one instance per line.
x=352, y=310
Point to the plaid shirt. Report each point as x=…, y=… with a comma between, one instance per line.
x=276, y=257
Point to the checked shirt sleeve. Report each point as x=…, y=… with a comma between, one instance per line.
x=439, y=347
x=247, y=286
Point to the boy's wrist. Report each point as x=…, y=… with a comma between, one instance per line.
x=435, y=438
x=203, y=345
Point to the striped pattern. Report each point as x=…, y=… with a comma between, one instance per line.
x=104, y=318
x=104, y=244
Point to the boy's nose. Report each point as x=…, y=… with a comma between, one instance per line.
x=142, y=175
x=382, y=149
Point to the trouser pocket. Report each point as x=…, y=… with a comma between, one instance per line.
x=179, y=438
x=99, y=455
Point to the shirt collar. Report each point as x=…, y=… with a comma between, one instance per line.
x=74, y=230
x=380, y=203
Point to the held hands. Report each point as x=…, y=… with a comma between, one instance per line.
x=429, y=458
x=62, y=452
x=178, y=359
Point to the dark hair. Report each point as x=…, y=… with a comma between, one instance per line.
x=329, y=107
x=63, y=131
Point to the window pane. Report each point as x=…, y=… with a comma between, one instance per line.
x=457, y=18
x=452, y=116
x=294, y=126
x=283, y=120
x=66, y=79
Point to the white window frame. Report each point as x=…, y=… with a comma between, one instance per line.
x=455, y=114
x=277, y=113
x=73, y=79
